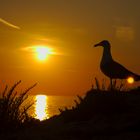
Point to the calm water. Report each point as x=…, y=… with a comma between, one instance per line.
x=47, y=106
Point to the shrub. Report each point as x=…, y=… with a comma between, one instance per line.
x=101, y=100
x=13, y=114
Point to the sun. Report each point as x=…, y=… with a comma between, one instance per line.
x=42, y=52
x=130, y=80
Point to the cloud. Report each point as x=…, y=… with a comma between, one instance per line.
x=9, y=24
x=125, y=33
x=32, y=49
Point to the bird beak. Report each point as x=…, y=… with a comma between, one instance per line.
x=96, y=45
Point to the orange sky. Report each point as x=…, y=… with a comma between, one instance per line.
x=70, y=28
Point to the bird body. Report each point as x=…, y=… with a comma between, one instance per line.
x=111, y=68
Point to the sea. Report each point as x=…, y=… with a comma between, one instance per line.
x=45, y=106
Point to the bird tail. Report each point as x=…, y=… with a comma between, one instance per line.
x=137, y=78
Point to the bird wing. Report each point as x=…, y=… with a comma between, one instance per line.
x=115, y=70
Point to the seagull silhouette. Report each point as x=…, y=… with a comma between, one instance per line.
x=111, y=68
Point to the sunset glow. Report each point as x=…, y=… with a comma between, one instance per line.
x=42, y=52
x=51, y=42
x=41, y=107
x=130, y=80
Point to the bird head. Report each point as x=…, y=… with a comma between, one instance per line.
x=103, y=43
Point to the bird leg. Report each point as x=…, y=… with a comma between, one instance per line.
x=111, y=83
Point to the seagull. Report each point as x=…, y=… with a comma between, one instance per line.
x=111, y=68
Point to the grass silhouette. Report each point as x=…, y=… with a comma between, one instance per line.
x=101, y=100
x=13, y=114
x=103, y=113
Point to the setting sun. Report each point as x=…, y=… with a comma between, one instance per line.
x=130, y=80
x=42, y=52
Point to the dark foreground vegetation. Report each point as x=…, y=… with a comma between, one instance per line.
x=105, y=113
x=13, y=114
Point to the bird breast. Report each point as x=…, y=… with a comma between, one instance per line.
x=107, y=69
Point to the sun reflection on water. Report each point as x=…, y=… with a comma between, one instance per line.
x=41, y=107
